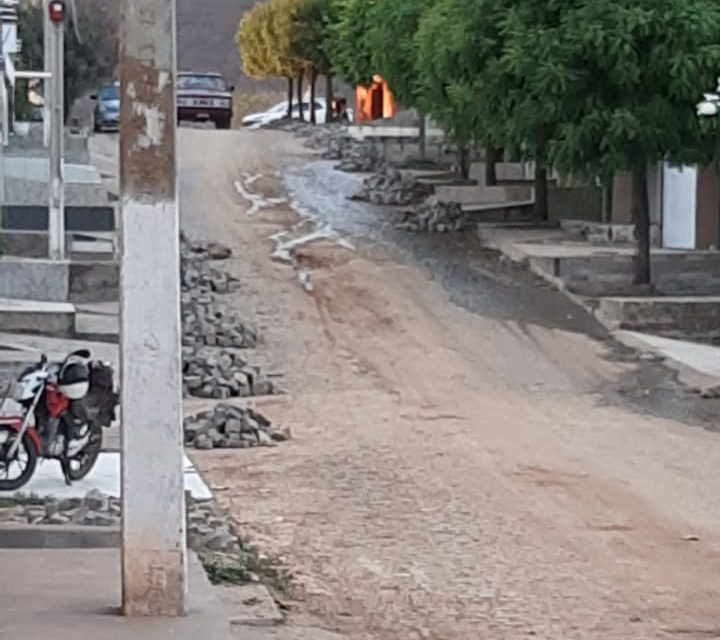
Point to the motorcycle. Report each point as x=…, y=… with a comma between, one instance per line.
x=64, y=408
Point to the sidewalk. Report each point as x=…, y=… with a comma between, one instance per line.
x=73, y=594
x=541, y=249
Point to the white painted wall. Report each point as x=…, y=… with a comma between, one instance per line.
x=679, y=207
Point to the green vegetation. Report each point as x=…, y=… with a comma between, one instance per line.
x=590, y=88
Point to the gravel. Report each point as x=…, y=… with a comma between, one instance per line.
x=232, y=427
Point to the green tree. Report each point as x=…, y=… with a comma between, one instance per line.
x=349, y=41
x=532, y=88
x=309, y=40
x=396, y=22
x=258, y=44
x=459, y=81
x=625, y=82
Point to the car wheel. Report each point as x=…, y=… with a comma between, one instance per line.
x=223, y=123
x=96, y=127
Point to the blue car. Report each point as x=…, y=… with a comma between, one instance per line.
x=107, y=108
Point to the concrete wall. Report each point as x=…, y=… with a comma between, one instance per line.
x=482, y=194
x=674, y=274
x=94, y=281
x=708, y=209
x=678, y=318
x=34, y=279
x=45, y=280
x=575, y=203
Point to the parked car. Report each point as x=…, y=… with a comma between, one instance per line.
x=204, y=97
x=106, y=116
x=279, y=111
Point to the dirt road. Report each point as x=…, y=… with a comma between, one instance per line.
x=467, y=462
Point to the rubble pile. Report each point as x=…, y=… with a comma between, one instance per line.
x=392, y=187
x=232, y=427
x=221, y=374
x=433, y=216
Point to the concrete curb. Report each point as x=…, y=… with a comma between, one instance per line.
x=58, y=537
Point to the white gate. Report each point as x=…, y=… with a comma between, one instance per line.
x=679, y=207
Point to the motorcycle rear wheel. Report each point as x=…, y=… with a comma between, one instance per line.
x=77, y=467
x=25, y=458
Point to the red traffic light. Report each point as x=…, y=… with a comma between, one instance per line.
x=56, y=8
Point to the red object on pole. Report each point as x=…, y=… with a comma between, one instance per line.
x=56, y=9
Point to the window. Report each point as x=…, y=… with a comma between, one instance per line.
x=111, y=92
x=201, y=83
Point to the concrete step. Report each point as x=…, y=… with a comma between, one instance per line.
x=691, y=317
x=56, y=319
x=98, y=327
x=483, y=207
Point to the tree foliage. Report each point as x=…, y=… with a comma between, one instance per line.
x=625, y=79
x=350, y=41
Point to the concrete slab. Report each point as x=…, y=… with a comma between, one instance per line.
x=56, y=319
x=33, y=536
x=64, y=594
x=48, y=480
x=37, y=169
x=691, y=357
x=100, y=327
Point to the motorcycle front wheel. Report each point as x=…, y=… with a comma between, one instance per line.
x=77, y=467
x=15, y=472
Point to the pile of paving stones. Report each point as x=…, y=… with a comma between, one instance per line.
x=207, y=323
x=433, y=216
x=221, y=374
x=392, y=187
x=94, y=510
x=210, y=329
x=232, y=427
x=207, y=530
x=354, y=156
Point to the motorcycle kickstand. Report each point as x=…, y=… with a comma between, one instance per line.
x=64, y=466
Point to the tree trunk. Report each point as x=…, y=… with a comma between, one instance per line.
x=313, y=82
x=608, y=188
x=291, y=88
x=329, y=98
x=491, y=159
x=541, y=191
x=423, y=135
x=301, y=113
x=641, y=219
x=464, y=161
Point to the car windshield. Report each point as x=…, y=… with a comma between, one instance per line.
x=201, y=83
x=109, y=93
x=278, y=108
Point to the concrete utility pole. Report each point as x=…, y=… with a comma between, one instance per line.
x=56, y=209
x=47, y=86
x=153, y=533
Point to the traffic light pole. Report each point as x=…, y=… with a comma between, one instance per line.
x=56, y=208
x=153, y=531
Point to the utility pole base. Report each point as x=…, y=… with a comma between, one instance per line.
x=153, y=583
